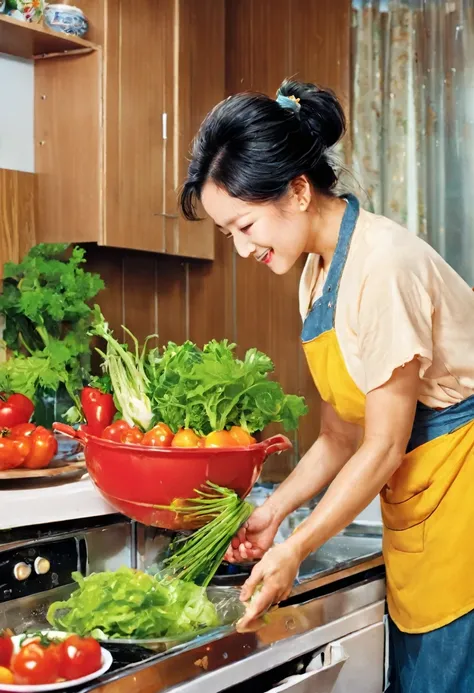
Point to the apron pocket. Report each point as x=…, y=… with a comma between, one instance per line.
x=410, y=540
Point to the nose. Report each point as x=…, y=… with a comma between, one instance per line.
x=243, y=245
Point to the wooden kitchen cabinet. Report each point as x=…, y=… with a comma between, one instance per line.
x=114, y=125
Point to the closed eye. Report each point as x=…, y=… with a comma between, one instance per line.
x=246, y=229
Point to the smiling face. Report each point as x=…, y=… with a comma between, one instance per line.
x=275, y=233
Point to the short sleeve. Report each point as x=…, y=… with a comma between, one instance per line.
x=394, y=323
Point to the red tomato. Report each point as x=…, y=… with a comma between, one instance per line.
x=6, y=676
x=79, y=657
x=6, y=651
x=34, y=665
x=25, y=429
x=116, y=430
x=160, y=436
x=220, y=439
x=16, y=409
x=10, y=457
x=133, y=436
x=241, y=437
x=43, y=448
x=185, y=438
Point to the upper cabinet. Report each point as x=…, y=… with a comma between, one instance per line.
x=114, y=122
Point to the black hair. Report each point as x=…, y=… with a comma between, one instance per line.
x=253, y=147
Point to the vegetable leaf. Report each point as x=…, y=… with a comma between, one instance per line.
x=128, y=603
x=212, y=390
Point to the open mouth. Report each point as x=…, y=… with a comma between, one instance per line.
x=265, y=257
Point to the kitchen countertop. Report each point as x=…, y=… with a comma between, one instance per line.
x=35, y=503
x=351, y=589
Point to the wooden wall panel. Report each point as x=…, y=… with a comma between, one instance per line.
x=211, y=295
x=320, y=44
x=17, y=215
x=173, y=299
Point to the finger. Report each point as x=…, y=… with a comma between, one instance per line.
x=261, y=603
x=243, y=552
x=249, y=586
x=255, y=553
x=235, y=543
x=242, y=535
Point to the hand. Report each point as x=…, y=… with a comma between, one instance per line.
x=277, y=571
x=254, y=537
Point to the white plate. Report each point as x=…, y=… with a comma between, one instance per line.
x=55, y=634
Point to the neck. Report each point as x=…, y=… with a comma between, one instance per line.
x=326, y=217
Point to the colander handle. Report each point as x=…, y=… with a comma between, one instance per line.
x=70, y=432
x=277, y=443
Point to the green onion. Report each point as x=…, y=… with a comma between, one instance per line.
x=127, y=375
x=197, y=558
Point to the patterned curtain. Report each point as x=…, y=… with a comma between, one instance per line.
x=413, y=118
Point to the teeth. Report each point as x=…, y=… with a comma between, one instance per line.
x=263, y=256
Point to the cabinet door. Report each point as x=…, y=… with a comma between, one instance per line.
x=195, y=83
x=137, y=39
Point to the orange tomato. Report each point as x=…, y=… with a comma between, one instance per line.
x=241, y=436
x=160, y=436
x=6, y=676
x=220, y=439
x=132, y=437
x=185, y=438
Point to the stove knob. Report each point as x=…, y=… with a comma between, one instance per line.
x=22, y=571
x=42, y=565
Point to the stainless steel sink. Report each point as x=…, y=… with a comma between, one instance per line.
x=354, y=545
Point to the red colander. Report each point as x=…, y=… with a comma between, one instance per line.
x=135, y=479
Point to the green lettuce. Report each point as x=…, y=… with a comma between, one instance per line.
x=131, y=604
x=212, y=390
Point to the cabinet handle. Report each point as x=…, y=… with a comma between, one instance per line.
x=164, y=214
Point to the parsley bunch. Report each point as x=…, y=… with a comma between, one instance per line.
x=45, y=302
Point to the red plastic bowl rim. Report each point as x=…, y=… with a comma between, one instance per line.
x=84, y=437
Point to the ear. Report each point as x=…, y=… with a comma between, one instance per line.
x=300, y=190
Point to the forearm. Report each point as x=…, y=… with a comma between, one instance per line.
x=314, y=472
x=356, y=485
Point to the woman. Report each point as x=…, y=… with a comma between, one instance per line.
x=388, y=332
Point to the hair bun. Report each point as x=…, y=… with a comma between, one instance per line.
x=320, y=110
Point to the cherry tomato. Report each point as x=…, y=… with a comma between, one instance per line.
x=133, y=436
x=241, y=437
x=79, y=657
x=116, y=430
x=220, y=439
x=34, y=665
x=43, y=448
x=6, y=651
x=185, y=438
x=160, y=436
x=6, y=676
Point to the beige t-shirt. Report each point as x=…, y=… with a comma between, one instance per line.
x=399, y=299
